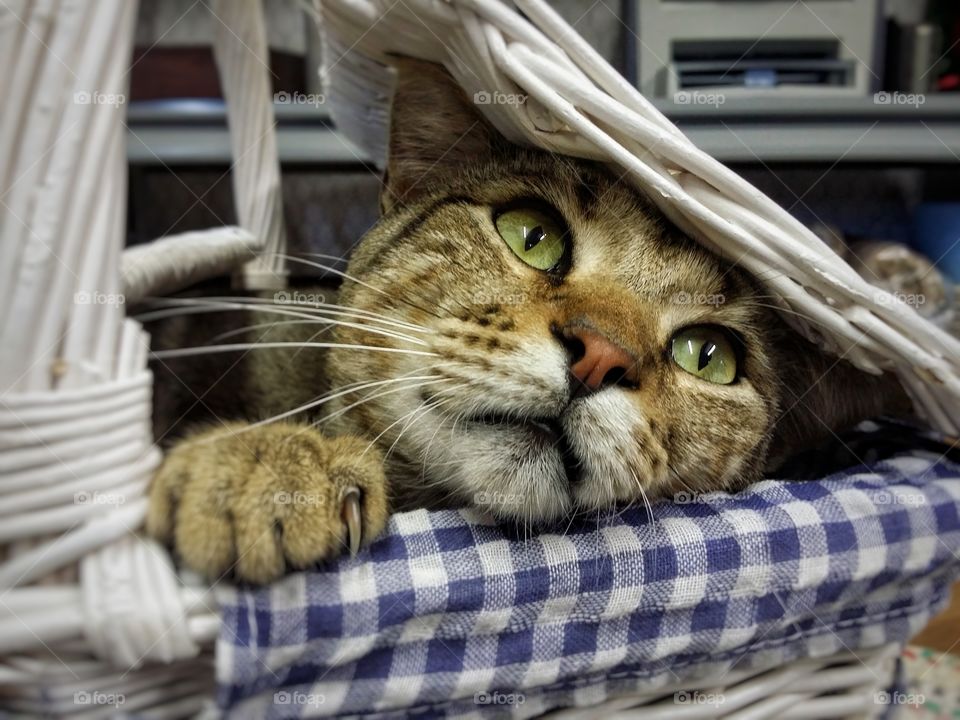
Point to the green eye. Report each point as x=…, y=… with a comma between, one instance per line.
x=534, y=236
x=706, y=352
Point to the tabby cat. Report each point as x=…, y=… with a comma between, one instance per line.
x=521, y=331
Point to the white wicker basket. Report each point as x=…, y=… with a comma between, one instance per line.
x=846, y=685
x=86, y=604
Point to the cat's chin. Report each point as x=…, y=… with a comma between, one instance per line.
x=540, y=470
x=517, y=470
x=545, y=434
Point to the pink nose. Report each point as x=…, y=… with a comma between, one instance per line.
x=598, y=361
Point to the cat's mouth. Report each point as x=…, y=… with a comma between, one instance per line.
x=545, y=432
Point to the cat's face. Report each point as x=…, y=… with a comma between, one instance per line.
x=574, y=351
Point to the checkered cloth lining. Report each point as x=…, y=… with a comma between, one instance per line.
x=451, y=615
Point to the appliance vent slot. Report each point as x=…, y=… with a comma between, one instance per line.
x=753, y=64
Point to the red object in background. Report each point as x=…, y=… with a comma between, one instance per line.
x=161, y=73
x=945, y=14
x=948, y=82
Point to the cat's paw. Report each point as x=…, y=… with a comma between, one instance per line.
x=259, y=501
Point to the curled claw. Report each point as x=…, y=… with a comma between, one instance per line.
x=350, y=512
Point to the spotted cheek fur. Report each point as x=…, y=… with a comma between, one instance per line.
x=717, y=438
x=500, y=362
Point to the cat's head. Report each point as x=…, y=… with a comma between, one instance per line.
x=561, y=346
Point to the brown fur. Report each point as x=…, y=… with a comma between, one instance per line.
x=436, y=261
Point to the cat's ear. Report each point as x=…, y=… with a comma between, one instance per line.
x=435, y=131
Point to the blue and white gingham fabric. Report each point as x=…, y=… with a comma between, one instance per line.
x=451, y=615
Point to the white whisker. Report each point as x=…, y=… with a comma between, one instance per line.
x=351, y=278
x=268, y=325
x=402, y=299
x=431, y=380
x=323, y=399
x=236, y=347
x=214, y=306
x=398, y=420
x=421, y=407
x=190, y=306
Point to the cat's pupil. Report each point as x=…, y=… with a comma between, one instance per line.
x=706, y=352
x=533, y=238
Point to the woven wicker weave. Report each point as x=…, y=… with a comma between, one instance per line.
x=76, y=452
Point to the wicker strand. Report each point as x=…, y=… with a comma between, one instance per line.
x=76, y=450
x=243, y=58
